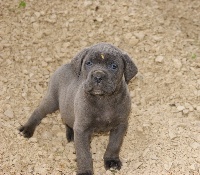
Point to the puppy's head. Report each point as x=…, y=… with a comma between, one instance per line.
x=102, y=67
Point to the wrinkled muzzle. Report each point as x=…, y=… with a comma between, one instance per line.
x=98, y=82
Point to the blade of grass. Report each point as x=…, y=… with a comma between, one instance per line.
x=22, y=4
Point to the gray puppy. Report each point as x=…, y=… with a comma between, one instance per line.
x=92, y=95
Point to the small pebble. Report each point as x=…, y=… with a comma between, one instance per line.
x=37, y=14
x=192, y=167
x=185, y=111
x=177, y=63
x=9, y=113
x=159, y=59
x=180, y=108
x=168, y=166
x=195, y=145
x=133, y=41
x=33, y=139
x=198, y=108
x=139, y=35
x=172, y=135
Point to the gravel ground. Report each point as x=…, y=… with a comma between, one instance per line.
x=162, y=36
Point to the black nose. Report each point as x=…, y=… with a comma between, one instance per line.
x=98, y=76
x=98, y=79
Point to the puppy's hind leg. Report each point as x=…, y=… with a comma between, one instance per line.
x=48, y=105
x=69, y=133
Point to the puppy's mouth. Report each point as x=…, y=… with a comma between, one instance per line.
x=98, y=90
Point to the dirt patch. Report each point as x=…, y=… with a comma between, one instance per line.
x=163, y=37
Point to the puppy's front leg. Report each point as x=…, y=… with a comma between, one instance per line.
x=82, y=146
x=111, y=156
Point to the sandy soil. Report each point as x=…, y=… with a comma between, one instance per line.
x=163, y=37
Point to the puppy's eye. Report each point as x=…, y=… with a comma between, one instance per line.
x=113, y=66
x=89, y=63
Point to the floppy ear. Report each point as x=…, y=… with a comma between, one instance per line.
x=78, y=60
x=130, y=69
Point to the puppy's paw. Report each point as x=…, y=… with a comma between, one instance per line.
x=26, y=131
x=112, y=163
x=86, y=173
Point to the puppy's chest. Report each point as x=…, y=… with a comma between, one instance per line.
x=105, y=116
x=105, y=119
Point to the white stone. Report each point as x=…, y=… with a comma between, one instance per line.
x=61, y=134
x=180, y=108
x=177, y=63
x=191, y=109
x=168, y=166
x=187, y=105
x=87, y=3
x=126, y=18
x=32, y=19
x=140, y=129
x=39, y=88
x=145, y=152
x=195, y=145
x=140, y=76
x=99, y=19
x=159, y=59
x=139, y=35
x=172, y=135
x=185, y=111
x=42, y=12
x=37, y=14
x=9, y=113
x=133, y=41
x=66, y=45
x=137, y=165
x=128, y=35
x=198, y=108
x=36, y=26
x=46, y=135
x=44, y=64
x=192, y=167
x=32, y=139
x=39, y=35
x=48, y=59
x=55, y=128
x=53, y=16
